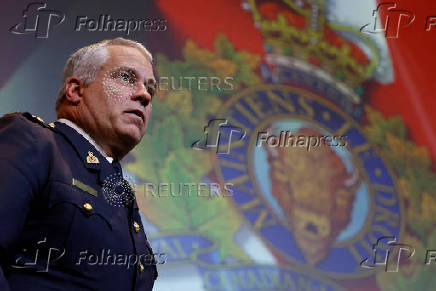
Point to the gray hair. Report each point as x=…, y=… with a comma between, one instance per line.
x=86, y=62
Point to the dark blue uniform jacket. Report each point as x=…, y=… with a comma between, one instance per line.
x=57, y=230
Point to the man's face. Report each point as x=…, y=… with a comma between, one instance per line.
x=118, y=101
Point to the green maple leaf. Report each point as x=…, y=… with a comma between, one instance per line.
x=379, y=127
x=180, y=207
x=409, y=161
x=165, y=154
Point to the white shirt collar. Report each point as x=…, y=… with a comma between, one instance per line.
x=86, y=136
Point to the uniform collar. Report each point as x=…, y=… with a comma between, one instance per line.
x=86, y=136
x=89, y=154
x=84, y=144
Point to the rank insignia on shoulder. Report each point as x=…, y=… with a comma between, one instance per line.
x=40, y=120
x=91, y=159
x=35, y=119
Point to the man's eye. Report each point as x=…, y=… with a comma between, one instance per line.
x=151, y=89
x=126, y=77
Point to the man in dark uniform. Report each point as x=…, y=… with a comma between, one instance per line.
x=68, y=220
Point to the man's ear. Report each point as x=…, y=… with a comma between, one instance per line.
x=74, y=88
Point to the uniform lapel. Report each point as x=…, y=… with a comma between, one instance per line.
x=89, y=155
x=99, y=164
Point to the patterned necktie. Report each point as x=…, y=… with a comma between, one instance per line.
x=117, y=166
x=118, y=192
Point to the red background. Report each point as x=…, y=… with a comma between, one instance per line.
x=411, y=95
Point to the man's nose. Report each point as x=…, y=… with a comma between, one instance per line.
x=142, y=95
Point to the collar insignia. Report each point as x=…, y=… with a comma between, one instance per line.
x=91, y=159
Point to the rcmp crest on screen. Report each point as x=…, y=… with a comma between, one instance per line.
x=320, y=210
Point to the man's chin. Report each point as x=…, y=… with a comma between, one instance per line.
x=131, y=135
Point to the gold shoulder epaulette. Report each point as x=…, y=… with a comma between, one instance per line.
x=37, y=119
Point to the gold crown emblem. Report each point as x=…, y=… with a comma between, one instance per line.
x=300, y=31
